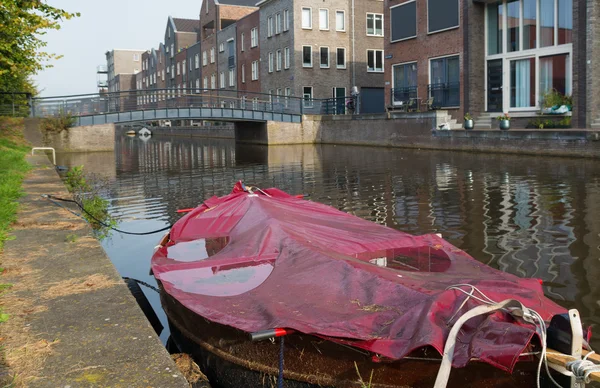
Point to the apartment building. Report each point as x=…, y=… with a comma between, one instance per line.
x=179, y=35
x=214, y=17
x=226, y=58
x=319, y=50
x=487, y=57
x=122, y=61
x=248, y=56
x=194, y=69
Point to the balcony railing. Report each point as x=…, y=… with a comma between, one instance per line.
x=444, y=95
x=102, y=84
x=102, y=69
x=401, y=96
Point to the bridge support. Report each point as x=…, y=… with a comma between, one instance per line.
x=276, y=132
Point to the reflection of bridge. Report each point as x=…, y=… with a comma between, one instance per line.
x=184, y=104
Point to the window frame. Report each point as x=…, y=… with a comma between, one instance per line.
x=286, y=58
x=337, y=66
x=429, y=32
x=321, y=66
x=271, y=60
x=326, y=10
x=343, y=12
x=304, y=65
x=374, y=19
x=286, y=20
x=375, y=51
x=310, y=19
x=278, y=60
x=254, y=71
x=254, y=37
x=307, y=103
x=416, y=24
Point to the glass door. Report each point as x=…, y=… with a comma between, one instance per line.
x=494, y=86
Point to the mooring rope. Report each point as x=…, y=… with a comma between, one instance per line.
x=143, y=283
x=582, y=369
x=51, y=198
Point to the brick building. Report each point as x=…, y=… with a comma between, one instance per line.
x=248, y=56
x=317, y=50
x=487, y=57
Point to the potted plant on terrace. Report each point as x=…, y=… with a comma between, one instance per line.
x=469, y=124
x=504, y=121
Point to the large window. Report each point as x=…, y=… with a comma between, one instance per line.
x=307, y=56
x=375, y=61
x=403, y=21
x=444, y=80
x=529, y=24
x=307, y=18
x=323, y=19
x=307, y=94
x=340, y=21
x=254, y=37
x=442, y=15
x=374, y=24
x=522, y=83
x=555, y=73
x=254, y=70
x=494, y=28
x=513, y=21
x=546, y=23
x=404, y=80
x=565, y=21
x=341, y=58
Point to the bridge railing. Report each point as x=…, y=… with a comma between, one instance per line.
x=135, y=100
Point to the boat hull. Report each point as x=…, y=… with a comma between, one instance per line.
x=229, y=359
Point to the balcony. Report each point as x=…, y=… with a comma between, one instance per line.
x=102, y=83
x=401, y=96
x=102, y=69
x=445, y=95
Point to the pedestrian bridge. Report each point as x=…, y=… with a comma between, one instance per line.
x=183, y=104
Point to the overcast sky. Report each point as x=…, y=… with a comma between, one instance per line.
x=104, y=25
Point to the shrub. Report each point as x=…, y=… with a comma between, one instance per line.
x=553, y=97
x=58, y=123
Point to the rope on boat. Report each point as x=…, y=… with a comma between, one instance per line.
x=582, y=369
x=143, y=283
x=51, y=198
x=280, y=376
x=513, y=307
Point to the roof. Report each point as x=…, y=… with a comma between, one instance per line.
x=243, y=3
x=186, y=25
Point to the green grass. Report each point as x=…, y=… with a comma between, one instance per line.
x=13, y=168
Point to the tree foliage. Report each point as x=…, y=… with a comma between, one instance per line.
x=23, y=23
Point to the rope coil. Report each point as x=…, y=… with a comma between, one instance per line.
x=582, y=369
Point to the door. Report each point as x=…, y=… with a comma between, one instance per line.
x=494, y=80
x=372, y=100
x=339, y=95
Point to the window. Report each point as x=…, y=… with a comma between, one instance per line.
x=513, y=11
x=231, y=77
x=221, y=47
x=307, y=18
x=445, y=81
x=222, y=80
x=307, y=94
x=340, y=20
x=324, y=55
x=196, y=61
x=323, y=19
x=172, y=71
x=269, y=26
x=178, y=68
x=278, y=60
x=197, y=85
x=374, y=24
x=205, y=83
x=172, y=50
x=442, y=15
x=136, y=57
x=212, y=55
x=286, y=20
x=341, y=58
x=522, y=83
x=254, y=70
x=565, y=21
x=286, y=62
x=204, y=60
x=555, y=73
x=278, y=23
x=270, y=62
x=243, y=73
x=494, y=30
x=404, y=82
x=183, y=67
x=403, y=19
x=288, y=93
x=375, y=61
x=546, y=23
x=254, y=37
x=213, y=81
x=306, y=56
x=242, y=42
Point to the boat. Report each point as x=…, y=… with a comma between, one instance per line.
x=264, y=288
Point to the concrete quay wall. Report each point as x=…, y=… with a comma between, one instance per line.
x=87, y=138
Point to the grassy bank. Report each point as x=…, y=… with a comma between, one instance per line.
x=13, y=168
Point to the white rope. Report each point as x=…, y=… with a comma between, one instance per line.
x=582, y=369
x=513, y=307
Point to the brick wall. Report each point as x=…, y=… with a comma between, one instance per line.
x=249, y=54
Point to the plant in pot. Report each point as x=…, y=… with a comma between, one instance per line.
x=504, y=121
x=469, y=124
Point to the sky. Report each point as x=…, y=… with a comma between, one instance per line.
x=102, y=26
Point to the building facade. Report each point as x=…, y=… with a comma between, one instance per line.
x=248, y=56
x=120, y=61
x=490, y=57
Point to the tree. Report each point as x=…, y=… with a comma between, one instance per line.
x=22, y=24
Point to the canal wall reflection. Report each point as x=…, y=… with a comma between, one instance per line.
x=530, y=216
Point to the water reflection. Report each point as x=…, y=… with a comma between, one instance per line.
x=530, y=216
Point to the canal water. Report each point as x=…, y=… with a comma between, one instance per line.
x=530, y=216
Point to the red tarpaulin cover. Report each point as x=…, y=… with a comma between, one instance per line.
x=257, y=262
